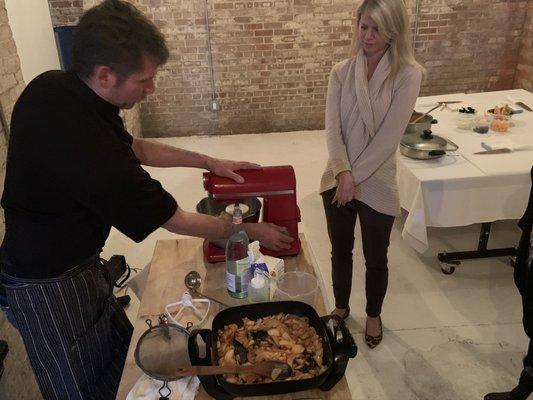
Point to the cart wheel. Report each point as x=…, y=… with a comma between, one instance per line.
x=448, y=268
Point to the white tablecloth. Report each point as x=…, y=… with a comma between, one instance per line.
x=461, y=188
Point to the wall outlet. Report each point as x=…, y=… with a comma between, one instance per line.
x=214, y=105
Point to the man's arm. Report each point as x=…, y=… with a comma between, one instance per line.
x=155, y=154
x=200, y=225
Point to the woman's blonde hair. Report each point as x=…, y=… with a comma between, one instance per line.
x=393, y=24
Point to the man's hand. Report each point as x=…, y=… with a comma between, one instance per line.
x=345, y=189
x=271, y=236
x=226, y=168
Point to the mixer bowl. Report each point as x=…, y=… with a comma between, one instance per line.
x=210, y=206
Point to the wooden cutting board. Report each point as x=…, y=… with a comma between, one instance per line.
x=171, y=261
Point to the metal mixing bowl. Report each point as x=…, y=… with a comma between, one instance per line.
x=420, y=126
x=210, y=206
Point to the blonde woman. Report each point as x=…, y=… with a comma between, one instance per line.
x=370, y=100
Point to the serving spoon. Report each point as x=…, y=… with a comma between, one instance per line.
x=193, y=281
x=423, y=115
x=275, y=370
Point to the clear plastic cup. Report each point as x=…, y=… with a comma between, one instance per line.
x=465, y=121
x=482, y=124
x=296, y=286
x=500, y=123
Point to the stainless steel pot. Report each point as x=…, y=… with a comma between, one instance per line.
x=210, y=206
x=423, y=125
x=425, y=146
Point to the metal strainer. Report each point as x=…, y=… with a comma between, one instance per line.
x=161, y=350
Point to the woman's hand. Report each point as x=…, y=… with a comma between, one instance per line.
x=345, y=189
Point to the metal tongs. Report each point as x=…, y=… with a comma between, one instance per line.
x=442, y=104
x=445, y=103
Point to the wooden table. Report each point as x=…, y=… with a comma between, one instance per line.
x=171, y=261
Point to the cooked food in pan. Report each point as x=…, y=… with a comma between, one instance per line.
x=282, y=337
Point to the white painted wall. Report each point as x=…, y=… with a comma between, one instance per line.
x=33, y=33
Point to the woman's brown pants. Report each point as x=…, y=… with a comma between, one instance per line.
x=375, y=231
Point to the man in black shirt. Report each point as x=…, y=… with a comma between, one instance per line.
x=523, y=276
x=72, y=173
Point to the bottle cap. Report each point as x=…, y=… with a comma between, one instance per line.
x=257, y=282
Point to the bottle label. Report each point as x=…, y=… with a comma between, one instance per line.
x=231, y=281
x=238, y=282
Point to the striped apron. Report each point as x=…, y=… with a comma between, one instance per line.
x=76, y=334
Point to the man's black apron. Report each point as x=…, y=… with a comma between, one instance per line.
x=75, y=332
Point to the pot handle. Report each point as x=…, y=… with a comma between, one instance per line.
x=209, y=382
x=344, y=340
x=454, y=146
x=343, y=347
x=194, y=351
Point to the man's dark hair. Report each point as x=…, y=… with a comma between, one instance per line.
x=117, y=35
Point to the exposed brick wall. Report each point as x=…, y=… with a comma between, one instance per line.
x=65, y=12
x=132, y=120
x=11, y=81
x=271, y=62
x=272, y=58
x=11, y=85
x=524, y=71
x=469, y=45
x=18, y=380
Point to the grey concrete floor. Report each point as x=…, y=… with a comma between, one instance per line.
x=446, y=337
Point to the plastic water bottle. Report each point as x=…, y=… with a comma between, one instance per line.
x=237, y=260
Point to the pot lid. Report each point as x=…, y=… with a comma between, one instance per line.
x=162, y=349
x=425, y=141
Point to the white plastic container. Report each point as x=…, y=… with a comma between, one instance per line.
x=259, y=288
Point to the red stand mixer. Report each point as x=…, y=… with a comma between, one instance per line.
x=276, y=185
